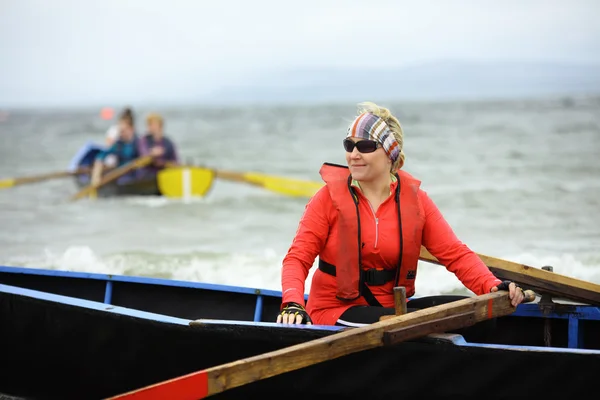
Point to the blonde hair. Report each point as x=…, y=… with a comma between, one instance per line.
x=392, y=122
x=154, y=117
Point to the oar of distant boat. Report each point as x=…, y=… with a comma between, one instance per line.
x=183, y=181
x=278, y=184
x=10, y=182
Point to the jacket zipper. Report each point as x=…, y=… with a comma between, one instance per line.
x=376, y=225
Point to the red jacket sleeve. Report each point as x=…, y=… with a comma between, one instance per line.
x=308, y=242
x=441, y=242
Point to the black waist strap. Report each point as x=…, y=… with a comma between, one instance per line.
x=372, y=277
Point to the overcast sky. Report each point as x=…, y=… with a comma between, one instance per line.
x=83, y=51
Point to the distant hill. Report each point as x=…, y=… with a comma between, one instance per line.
x=432, y=81
x=428, y=81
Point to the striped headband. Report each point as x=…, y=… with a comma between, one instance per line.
x=370, y=126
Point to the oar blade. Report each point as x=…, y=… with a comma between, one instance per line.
x=184, y=182
x=6, y=183
x=286, y=186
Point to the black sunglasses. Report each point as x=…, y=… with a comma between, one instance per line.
x=363, y=146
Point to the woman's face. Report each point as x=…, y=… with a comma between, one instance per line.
x=155, y=128
x=126, y=131
x=367, y=166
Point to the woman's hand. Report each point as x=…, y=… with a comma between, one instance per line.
x=293, y=313
x=157, y=151
x=515, y=293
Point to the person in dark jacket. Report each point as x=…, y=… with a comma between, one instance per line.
x=157, y=145
x=125, y=149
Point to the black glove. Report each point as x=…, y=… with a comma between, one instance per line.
x=503, y=285
x=295, y=309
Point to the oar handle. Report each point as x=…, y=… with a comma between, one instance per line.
x=113, y=175
x=529, y=296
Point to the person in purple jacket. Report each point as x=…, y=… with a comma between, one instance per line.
x=156, y=144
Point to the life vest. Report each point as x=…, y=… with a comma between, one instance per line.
x=123, y=156
x=147, y=142
x=349, y=271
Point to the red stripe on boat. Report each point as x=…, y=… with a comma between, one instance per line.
x=188, y=387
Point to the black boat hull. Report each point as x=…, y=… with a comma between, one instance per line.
x=52, y=350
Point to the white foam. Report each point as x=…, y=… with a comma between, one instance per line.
x=565, y=264
x=258, y=270
x=435, y=279
x=162, y=201
x=75, y=258
x=248, y=270
x=262, y=268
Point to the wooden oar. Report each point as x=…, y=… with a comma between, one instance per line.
x=437, y=319
x=183, y=182
x=278, y=184
x=536, y=279
x=113, y=175
x=7, y=183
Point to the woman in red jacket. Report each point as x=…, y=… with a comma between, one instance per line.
x=367, y=226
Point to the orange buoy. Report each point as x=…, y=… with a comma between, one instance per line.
x=107, y=113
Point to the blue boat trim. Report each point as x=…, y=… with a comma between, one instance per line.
x=141, y=280
x=573, y=332
x=580, y=312
x=258, y=309
x=577, y=313
x=460, y=341
x=108, y=292
x=109, y=279
x=456, y=339
x=268, y=324
x=92, y=305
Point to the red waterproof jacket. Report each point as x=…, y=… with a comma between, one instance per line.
x=329, y=229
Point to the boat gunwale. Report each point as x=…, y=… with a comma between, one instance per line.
x=140, y=280
x=583, y=311
x=453, y=339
